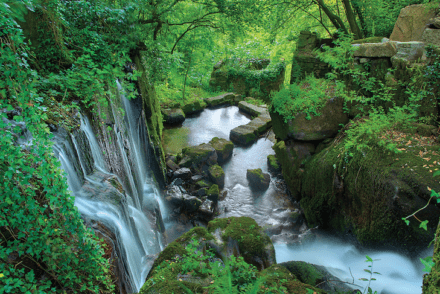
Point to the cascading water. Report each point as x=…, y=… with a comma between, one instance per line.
x=399, y=274
x=130, y=216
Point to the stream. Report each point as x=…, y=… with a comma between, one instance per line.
x=399, y=274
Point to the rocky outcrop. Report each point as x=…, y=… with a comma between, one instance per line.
x=370, y=193
x=257, y=179
x=187, y=263
x=317, y=128
x=412, y=22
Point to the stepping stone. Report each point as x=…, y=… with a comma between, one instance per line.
x=251, y=108
x=227, y=98
x=243, y=135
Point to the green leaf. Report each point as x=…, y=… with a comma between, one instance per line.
x=424, y=225
x=428, y=263
x=369, y=259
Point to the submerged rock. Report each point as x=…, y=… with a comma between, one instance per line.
x=257, y=179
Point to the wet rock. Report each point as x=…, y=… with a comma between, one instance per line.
x=182, y=173
x=213, y=193
x=203, y=184
x=312, y=274
x=173, y=116
x=174, y=196
x=317, y=128
x=194, y=107
x=217, y=175
x=251, y=109
x=191, y=203
x=223, y=148
x=257, y=179
x=273, y=164
x=196, y=178
x=171, y=165
x=177, y=182
x=202, y=192
x=197, y=156
x=243, y=135
x=207, y=208
x=220, y=100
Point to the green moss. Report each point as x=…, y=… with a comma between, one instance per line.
x=194, y=107
x=273, y=162
x=368, y=40
x=257, y=172
x=379, y=188
x=214, y=190
x=249, y=235
x=431, y=282
x=174, y=140
x=203, y=184
x=276, y=276
x=222, y=145
x=290, y=168
x=216, y=171
x=172, y=286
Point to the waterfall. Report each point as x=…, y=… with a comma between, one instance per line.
x=126, y=200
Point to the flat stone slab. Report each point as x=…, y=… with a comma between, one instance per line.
x=387, y=49
x=227, y=98
x=251, y=108
x=249, y=133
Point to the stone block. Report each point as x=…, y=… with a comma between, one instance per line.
x=375, y=50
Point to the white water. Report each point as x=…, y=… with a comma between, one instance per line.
x=398, y=273
x=135, y=236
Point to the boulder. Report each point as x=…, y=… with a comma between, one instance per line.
x=194, y=107
x=313, y=274
x=243, y=135
x=273, y=164
x=191, y=203
x=202, y=192
x=173, y=116
x=257, y=179
x=251, y=109
x=197, y=156
x=412, y=21
x=203, y=184
x=207, y=208
x=238, y=236
x=318, y=128
x=431, y=36
x=223, y=148
x=217, y=175
x=220, y=100
x=213, y=193
x=174, y=196
x=408, y=52
x=183, y=173
x=387, y=49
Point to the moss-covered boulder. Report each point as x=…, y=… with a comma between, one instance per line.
x=197, y=156
x=191, y=203
x=219, y=100
x=317, y=128
x=188, y=261
x=242, y=236
x=316, y=275
x=243, y=135
x=173, y=116
x=369, y=194
x=431, y=282
x=194, y=107
x=257, y=179
x=217, y=175
x=223, y=148
x=213, y=193
x=273, y=164
x=203, y=184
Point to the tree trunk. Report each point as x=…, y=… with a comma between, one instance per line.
x=186, y=76
x=352, y=20
x=357, y=9
x=335, y=20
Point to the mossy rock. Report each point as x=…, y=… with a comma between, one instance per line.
x=277, y=275
x=257, y=179
x=243, y=135
x=368, y=40
x=336, y=191
x=173, y=116
x=213, y=193
x=203, y=184
x=253, y=244
x=216, y=101
x=198, y=155
x=431, y=282
x=273, y=164
x=194, y=107
x=223, y=148
x=217, y=175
